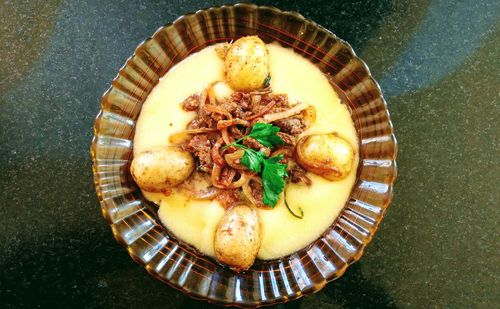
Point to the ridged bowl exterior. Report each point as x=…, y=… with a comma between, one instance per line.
x=134, y=220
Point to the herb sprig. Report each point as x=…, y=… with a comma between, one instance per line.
x=271, y=171
x=264, y=133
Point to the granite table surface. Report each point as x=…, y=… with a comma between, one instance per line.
x=438, y=65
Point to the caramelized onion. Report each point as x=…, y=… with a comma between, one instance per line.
x=266, y=109
x=218, y=110
x=233, y=122
x=232, y=159
x=216, y=156
x=230, y=176
x=286, y=151
x=238, y=183
x=247, y=190
x=215, y=176
x=201, y=105
x=227, y=138
x=216, y=171
x=235, y=132
x=211, y=95
x=222, y=124
x=256, y=99
x=181, y=136
x=285, y=114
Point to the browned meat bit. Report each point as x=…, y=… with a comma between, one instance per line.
x=257, y=193
x=243, y=99
x=266, y=151
x=195, y=124
x=227, y=175
x=260, y=111
x=286, y=151
x=209, y=122
x=204, y=121
x=216, y=112
x=258, y=102
x=287, y=138
x=232, y=118
x=191, y=103
x=201, y=147
x=240, y=113
x=281, y=100
x=236, y=96
x=227, y=198
x=236, y=133
x=290, y=125
x=230, y=106
x=298, y=175
x=254, y=144
x=256, y=99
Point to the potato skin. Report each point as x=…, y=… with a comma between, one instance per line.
x=160, y=168
x=246, y=64
x=238, y=238
x=327, y=155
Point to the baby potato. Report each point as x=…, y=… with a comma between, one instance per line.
x=246, y=64
x=327, y=155
x=160, y=168
x=238, y=238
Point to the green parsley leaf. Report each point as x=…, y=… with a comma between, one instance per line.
x=271, y=172
x=253, y=160
x=272, y=180
x=265, y=134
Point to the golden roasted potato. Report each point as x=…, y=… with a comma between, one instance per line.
x=246, y=64
x=160, y=168
x=238, y=237
x=327, y=155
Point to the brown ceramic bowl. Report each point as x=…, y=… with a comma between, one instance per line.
x=134, y=220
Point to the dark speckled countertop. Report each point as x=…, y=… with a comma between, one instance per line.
x=437, y=62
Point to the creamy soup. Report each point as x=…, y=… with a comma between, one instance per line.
x=195, y=221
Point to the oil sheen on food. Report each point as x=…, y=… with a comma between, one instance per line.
x=195, y=221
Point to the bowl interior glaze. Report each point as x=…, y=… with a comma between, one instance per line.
x=133, y=219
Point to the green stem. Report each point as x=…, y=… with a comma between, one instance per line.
x=288, y=207
x=235, y=143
